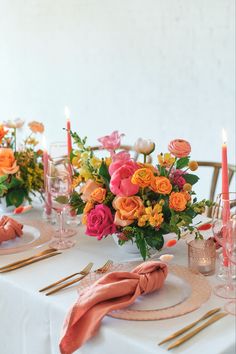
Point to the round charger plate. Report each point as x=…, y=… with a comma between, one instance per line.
x=35, y=234
x=184, y=291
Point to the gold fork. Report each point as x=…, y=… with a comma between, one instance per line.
x=83, y=273
x=105, y=267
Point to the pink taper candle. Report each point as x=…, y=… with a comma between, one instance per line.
x=68, y=128
x=225, y=191
x=47, y=196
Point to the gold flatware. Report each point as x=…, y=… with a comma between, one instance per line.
x=82, y=272
x=29, y=262
x=191, y=325
x=42, y=253
x=105, y=267
x=191, y=334
x=71, y=282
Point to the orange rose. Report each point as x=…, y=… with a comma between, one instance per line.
x=127, y=210
x=177, y=201
x=36, y=127
x=89, y=206
x=88, y=189
x=161, y=185
x=186, y=195
x=7, y=162
x=98, y=195
x=142, y=177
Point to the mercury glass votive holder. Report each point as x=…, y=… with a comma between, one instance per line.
x=202, y=256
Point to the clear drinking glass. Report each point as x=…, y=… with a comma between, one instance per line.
x=230, y=307
x=223, y=212
x=57, y=166
x=59, y=187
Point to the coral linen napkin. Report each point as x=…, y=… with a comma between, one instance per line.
x=111, y=292
x=9, y=229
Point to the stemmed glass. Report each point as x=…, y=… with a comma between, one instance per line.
x=224, y=211
x=230, y=307
x=59, y=187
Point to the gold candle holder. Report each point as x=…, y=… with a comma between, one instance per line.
x=202, y=256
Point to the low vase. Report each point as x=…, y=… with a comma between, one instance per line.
x=128, y=246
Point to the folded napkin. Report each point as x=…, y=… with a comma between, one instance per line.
x=111, y=292
x=9, y=229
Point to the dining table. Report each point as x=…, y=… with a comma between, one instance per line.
x=31, y=323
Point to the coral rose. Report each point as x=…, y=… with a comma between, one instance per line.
x=120, y=183
x=127, y=209
x=179, y=148
x=3, y=132
x=100, y=222
x=142, y=177
x=177, y=201
x=98, y=195
x=7, y=162
x=36, y=127
x=161, y=185
x=111, y=142
x=88, y=189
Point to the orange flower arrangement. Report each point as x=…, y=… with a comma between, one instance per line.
x=141, y=202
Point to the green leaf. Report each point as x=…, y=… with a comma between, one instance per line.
x=3, y=190
x=3, y=178
x=191, y=179
x=77, y=203
x=104, y=173
x=15, y=197
x=142, y=247
x=154, y=238
x=182, y=162
x=62, y=199
x=14, y=183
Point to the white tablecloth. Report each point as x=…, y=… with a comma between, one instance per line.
x=31, y=323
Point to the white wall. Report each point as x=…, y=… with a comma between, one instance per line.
x=154, y=68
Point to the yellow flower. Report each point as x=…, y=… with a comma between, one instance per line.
x=32, y=141
x=76, y=160
x=142, y=177
x=76, y=181
x=193, y=165
x=85, y=156
x=153, y=215
x=95, y=162
x=108, y=161
x=85, y=173
x=166, y=160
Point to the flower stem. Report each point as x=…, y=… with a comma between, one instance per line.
x=15, y=138
x=144, y=158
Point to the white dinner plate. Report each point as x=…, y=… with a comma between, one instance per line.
x=30, y=234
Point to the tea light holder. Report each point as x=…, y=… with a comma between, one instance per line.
x=202, y=256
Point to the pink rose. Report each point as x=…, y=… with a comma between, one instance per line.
x=179, y=148
x=111, y=142
x=118, y=160
x=88, y=189
x=120, y=183
x=100, y=222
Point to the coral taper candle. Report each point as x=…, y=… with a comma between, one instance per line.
x=68, y=128
x=225, y=192
x=47, y=196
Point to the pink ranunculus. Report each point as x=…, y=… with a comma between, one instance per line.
x=100, y=222
x=111, y=142
x=120, y=183
x=177, y=178
x=88, y=189
x=118, y=160
x=179, y=148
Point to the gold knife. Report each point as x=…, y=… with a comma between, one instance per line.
x=191, y=325
x=29, y=262
x=197, y=330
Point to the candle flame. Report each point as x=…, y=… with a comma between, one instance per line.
x=44, y=143
x=224, y=136
x=67, y=112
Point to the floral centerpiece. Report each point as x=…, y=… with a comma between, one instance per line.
x=21, y=169
x=138, y=201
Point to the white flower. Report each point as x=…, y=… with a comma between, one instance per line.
x=166, y=258
x=143, y=146
x=16, y=123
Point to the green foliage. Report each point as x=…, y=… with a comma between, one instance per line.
x=77, y=203
x=182, y=162
x=191, y=179
x=104, y=173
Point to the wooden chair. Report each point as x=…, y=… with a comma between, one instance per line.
x=216, y=166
